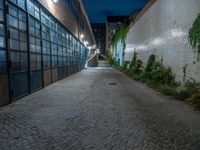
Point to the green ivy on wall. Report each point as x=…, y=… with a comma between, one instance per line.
x=120, y=35
x=194, y=34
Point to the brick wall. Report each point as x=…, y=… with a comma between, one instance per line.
x=163, y=30
x=61, y=11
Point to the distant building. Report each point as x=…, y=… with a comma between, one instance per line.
x=99, y=30
x=112, y=25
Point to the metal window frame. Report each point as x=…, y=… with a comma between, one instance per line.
x=73, y=56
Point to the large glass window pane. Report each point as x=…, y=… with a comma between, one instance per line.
x=33, y=9
x=38, y=49
x=1, y=15
x=23, y=36
x=2, y=41
x=32, y=30
x=1, y=4
x=2, y=55
x=37, y=41
x=22, y=16
x=2, y=61
x=14, y=44
x=36, y=7
x=34, y=27
x=37, y=15
x=46, y=47
x=37, y=32
x=39, y=66
x=13, y=10
x=22, y=25
x=46, y=59
x=32, y=47
x=14, y=1
x=1, y=29
x=31, y=22
x=14, y=34
x=13, y=22
x=32, y=39
x=23, y=59
x=33, y=61
x=15, y=61
x=23, y=46
x=21, y=3
x=30, y=7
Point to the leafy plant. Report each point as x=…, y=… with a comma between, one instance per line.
x=194, y=34
x=192, y=85
x=194, y=100
x=156, y=71
x=161, y=78
x=184, y=72
x=109, y=58
x=150, y=63
x=125, y=65
x=168, y=90
x=133, y=61
x=136, y=66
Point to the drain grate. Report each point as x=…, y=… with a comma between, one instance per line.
x=112, y=83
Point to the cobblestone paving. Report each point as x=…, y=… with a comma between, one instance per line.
x=98, y=109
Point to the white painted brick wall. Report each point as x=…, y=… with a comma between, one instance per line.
x=163, y=30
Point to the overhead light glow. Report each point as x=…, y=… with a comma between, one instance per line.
x=82, y=36
x=55, y=1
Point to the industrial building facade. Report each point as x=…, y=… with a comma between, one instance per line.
x=36, y=47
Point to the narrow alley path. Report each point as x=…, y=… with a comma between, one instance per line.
x=98, y=109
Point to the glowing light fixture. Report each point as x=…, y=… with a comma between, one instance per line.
x=82, y=36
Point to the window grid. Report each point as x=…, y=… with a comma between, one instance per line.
x=54, y=45
x=46, y=39
x=17, y=38
x=3, y=56
x=33, y=9
x=58, y=46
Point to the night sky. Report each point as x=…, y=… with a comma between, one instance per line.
x=98, y=9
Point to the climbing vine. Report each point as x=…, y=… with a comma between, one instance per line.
x=194, y=34
x=120, y=35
